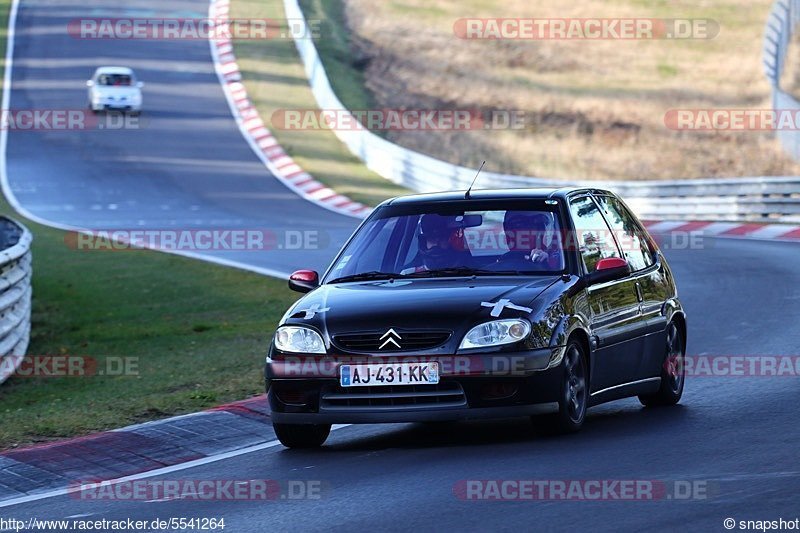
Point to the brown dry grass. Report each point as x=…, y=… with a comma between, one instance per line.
x=595, y=109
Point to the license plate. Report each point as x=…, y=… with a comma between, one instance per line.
x=396, y=374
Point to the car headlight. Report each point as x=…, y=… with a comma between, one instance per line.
x=496, y=333
x=298, y=339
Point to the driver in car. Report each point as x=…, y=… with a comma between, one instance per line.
x=532, y=244
x=441, y=244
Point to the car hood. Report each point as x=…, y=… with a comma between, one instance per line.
x=421, y=304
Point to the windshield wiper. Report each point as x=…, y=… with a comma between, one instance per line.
x=463, y=271
x=366, y=276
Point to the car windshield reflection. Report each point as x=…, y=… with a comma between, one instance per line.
x=428, y=243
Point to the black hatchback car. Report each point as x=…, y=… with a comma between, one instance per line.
x=491, y=304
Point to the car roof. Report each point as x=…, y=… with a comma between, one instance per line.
x=535, y=193
x=113, y=70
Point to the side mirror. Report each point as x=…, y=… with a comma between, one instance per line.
x=90, y=83
x=139, y=84
x=304, y=281
x=608, y=269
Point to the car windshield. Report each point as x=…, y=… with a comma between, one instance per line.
x=523, y=238
x=114, y=80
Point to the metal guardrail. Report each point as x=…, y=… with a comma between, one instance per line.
x=735, y=199
x=782, y=21
x=15, y=295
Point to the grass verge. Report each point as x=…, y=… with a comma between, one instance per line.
x=275, y=80
x=194, y=333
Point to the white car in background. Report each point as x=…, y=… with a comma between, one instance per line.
x=115, y=88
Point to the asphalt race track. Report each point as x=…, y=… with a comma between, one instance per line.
x=738, y=437
x=186, y=166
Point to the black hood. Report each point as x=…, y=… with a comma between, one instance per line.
x=415, y=305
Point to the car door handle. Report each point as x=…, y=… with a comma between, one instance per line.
x=639, y=292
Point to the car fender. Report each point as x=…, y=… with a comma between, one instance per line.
x=567, y=326
x=673, y=310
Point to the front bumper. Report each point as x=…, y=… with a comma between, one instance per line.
x=403, y=416
x=306, y=390
x=117, y=105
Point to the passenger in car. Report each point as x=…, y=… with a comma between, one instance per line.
x=532, y=242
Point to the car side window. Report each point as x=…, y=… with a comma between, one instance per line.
x=592, y=235
x=629, y=236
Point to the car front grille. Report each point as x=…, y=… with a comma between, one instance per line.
x=396, y=397
x=373, y=342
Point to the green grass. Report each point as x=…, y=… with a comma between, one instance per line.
x=345, y=72
x=275, y=80
x=667, y=71
x=197, y=332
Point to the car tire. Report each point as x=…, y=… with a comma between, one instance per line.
x=673, y=372
x=302, y=436
x=574, y=397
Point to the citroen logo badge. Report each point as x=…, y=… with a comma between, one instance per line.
x=390, y=337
